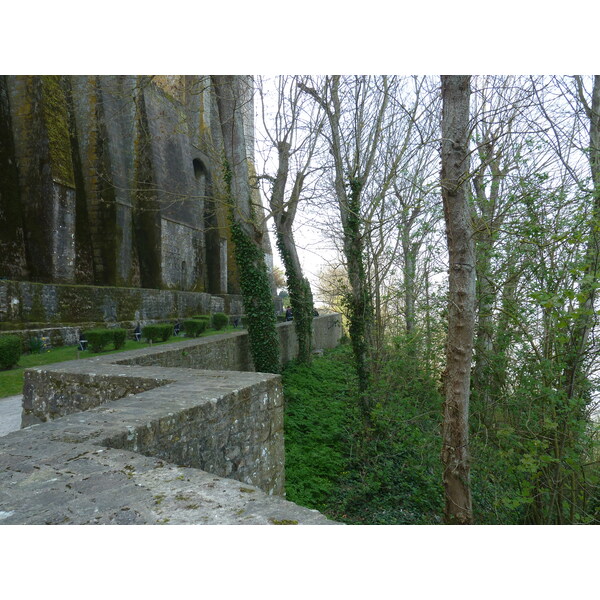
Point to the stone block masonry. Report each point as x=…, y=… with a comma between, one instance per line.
x=143, y=440
x=25, y=305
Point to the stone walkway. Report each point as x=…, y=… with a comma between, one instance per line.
x=10, y=414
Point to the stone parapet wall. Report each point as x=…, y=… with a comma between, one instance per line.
x=145, y=459
x=54, y=391
x=228, y=352
x=142, y=440
x=228, y=423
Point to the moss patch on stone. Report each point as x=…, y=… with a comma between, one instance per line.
x=56, y=120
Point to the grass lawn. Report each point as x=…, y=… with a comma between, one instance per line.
x=11, y=381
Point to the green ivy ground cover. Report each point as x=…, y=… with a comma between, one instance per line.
x=387, y=472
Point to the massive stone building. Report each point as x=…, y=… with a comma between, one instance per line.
x=115, y=181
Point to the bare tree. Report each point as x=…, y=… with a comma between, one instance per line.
x=294, y=141
x=355, y=109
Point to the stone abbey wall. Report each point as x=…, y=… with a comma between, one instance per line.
x=151, y=436
x=115, y=181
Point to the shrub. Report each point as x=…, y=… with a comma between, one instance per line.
x=220, y=320
x=166, y=331
x=194, y=327
x=36, y=345
x=10, y=351
x=119, y=337
x=205, y=318
x=157, y=332
x=98, y=339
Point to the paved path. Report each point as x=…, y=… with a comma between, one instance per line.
x=10, y=414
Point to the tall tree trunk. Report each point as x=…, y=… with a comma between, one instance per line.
x=484, y=337
x=359, y=304
x=409, y=271
x=585, y=315
x=301, y=297
x=351, y=176
x=461, y=298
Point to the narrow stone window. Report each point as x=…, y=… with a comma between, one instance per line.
x=200, y=174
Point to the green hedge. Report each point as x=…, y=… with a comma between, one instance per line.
x=159, y=332
x=10, y=351
x=194, y=327
x=207, y=317
x=98, y=339
x=203, y=318
x=119, y=337
x=220, y=320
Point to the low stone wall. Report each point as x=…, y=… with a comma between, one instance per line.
x=27, y=305
x=87, y=467
x=145, y=459
x=58, y=336
x=228, y=352
x=53, y=391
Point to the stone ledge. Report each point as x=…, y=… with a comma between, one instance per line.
x=71, y=483
x=142, y=454
x=122, y=462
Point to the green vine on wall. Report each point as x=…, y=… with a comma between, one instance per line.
x=258, y=304
x=256, y=291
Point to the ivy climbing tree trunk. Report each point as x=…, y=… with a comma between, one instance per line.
x=461, y=298
x=294, y=140
x=301, y=296
x=353, y=146
x=246, y=233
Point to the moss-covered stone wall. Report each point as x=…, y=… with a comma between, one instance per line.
x=100, y=183
x=27, y=305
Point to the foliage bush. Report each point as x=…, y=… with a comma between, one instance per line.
x=194, y=327
x=220, y=320
x=119, y=337
x=387, y=472
x=35, y=344
x=166, y=332
x=202, y=318
x=98, y=339
x=158, y=332
x=10, y=351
